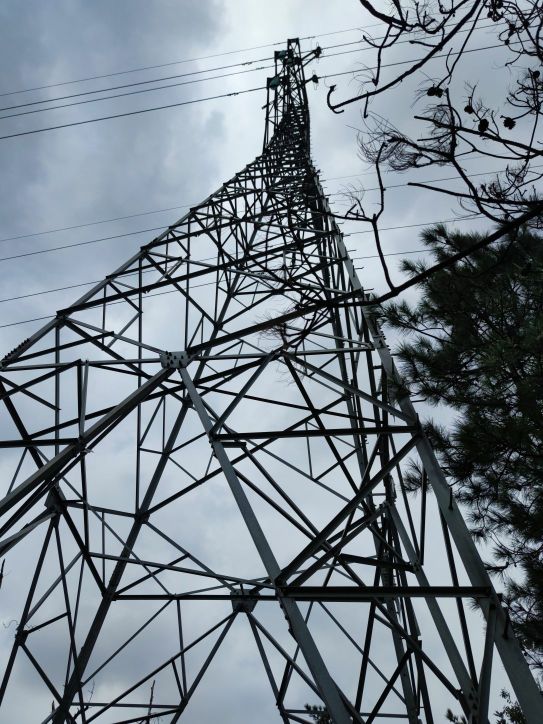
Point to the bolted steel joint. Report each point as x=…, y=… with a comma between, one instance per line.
x=243, y=601
x=174, y=360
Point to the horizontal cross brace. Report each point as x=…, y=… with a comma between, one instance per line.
x=338, y=594
x=329, y=432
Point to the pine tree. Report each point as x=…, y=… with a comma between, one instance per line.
x=474, y=342
x=511, y=712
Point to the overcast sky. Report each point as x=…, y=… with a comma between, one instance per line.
x=166, y=159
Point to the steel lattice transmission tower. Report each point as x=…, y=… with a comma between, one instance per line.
x=204, y=491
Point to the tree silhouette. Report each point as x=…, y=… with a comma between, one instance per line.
x=452, y=125
x=474, y=342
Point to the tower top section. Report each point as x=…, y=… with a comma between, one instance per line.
x=286, y=101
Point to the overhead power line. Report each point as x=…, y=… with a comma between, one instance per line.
x=139, y=83
x=177, y=84
x=63, y=247
x=130, y=113
x=141, y=90
x=201, y=100
x=79, y=243
x=136, y=92
x=188, y=206
x=170, y=77
x=208, y=57
x=180, y=62
x=412, y=60
x=414, y=226
x=371, y=256
x=94, y=223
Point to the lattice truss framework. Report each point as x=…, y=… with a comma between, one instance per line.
x=215, y=479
